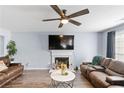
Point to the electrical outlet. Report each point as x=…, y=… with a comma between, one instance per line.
x=26, y=64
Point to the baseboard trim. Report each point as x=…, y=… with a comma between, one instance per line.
x=36, y=68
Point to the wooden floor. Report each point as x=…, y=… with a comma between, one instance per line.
x=41, y=79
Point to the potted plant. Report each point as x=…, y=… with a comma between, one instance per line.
x=76, y=68
x=11, y=49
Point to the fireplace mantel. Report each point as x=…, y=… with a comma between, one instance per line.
x=62, y=52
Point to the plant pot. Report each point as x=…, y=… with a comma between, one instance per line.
x=12, y=59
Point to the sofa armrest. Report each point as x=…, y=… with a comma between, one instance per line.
x=86, y=63
x=90, y=69
x=15, y=64
x=98, y=68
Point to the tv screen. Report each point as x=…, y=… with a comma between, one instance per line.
x=61, y=42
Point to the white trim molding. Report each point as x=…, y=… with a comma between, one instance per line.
x=36, y=68
x=62, y=53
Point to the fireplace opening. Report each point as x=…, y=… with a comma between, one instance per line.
x=60, y=60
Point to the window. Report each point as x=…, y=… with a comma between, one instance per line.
x=119, y=45
x=1, y=45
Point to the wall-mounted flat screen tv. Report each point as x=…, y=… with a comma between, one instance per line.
x=61, y=42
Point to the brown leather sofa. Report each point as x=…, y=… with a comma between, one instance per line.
x=14, y=70
x=97, y=74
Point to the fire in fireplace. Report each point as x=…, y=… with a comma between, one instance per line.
x=60, y=60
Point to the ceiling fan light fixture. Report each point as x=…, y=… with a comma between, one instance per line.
x=64, y=21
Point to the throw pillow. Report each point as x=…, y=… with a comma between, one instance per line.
x=3, y=66
x=96, y=60
x=6, y=60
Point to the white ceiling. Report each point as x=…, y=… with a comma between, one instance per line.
x=29, y=18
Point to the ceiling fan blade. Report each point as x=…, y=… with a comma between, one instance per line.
x=60, y=25
x=51, y=19
x=57, y=9
x=79, y=13
x=75, y=22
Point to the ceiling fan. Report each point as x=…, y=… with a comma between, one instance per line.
x=64, y=19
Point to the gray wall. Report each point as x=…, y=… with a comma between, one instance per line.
x=102, y=43
x=6, y=36
x=1, y=45
x=33, y=48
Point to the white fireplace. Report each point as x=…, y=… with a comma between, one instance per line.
x=62, y=54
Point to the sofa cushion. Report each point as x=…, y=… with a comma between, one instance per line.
x=86, y=69
x=3, y=78
x=99, y=79
x=117, y=66
x=1, y=74
x=105, y=63
x=115, y=80
x=13, y=70
x=2, y=66
x=112, y=73
x=89, y=70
